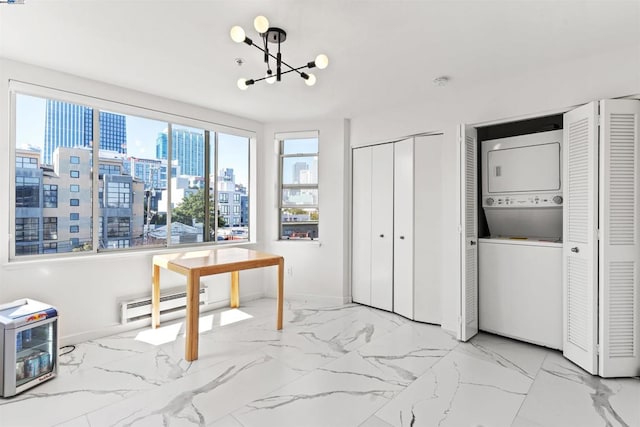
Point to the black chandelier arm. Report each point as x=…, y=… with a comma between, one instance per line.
x=297, y=70
x=308, y=65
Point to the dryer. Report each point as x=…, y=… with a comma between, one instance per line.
x=522, y=185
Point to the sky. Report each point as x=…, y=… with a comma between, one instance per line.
x=141, y=136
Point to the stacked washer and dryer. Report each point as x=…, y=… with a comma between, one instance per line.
x=520, y=264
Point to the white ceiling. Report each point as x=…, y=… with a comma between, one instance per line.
x=381, y=53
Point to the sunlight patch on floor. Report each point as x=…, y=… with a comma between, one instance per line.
x=161, y=335
x=232, y=316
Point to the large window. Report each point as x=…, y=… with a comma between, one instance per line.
x=158, y=183
x=50, y=196
x=26, y=229
x=26, y=162
x=232, y=184
x=118, y=226
x=299, y=215
x=118, y=195
x=109, y=169
x=50, y=228
x=27, y=192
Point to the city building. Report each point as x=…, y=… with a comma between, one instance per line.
x=54, y=204
x=71, y=125
x=187, y=150
x=230, y=198
x=152, y=172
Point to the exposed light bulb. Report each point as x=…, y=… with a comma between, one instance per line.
x=237, y=34
x=242, y=84
x=322, y=61
x=261, y=24
x=311, y=80
x=271, y=79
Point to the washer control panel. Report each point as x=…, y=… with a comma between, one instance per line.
x=522, y=200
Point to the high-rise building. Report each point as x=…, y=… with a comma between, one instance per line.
x=187, y=147
x=298, y=168
x=71, y=125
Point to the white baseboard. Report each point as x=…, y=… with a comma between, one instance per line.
x=144, y=323
x=322, y=299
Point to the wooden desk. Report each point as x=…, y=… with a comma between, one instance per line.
x=196, y=264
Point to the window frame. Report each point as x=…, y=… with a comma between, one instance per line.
x=49, y=228
x=50, y=196
x=281, y=139
x=99, y=104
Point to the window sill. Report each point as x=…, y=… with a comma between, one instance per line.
x=317, y=243
x=114, y=255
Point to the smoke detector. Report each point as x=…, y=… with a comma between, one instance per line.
x=441, y=81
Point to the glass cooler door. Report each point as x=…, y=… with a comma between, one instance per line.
x=35, y=351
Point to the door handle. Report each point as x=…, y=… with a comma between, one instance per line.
x=472, y=243
x=576, y=250
x=382, y=235
x=401, y=237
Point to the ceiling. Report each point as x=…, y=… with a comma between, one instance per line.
x=382, y=53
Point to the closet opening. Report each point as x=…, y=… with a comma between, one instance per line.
x=520, y=198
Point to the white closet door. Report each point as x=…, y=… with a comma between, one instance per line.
x=580, y=251
x=361, y=239
x=468, y=139
x=403, y=229
x=382, y=227
x=427, y=228
x=619, y=274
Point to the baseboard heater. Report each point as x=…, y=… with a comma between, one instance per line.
x=170, y=302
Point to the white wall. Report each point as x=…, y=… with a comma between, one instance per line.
x=612, y=74
x=87, y=289
x=319, y=268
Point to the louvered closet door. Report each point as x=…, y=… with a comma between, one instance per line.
x=468, y=138
x=579, y=253
x=361, y=228
x=620, y=238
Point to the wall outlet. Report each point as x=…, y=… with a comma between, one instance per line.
x=289, y=271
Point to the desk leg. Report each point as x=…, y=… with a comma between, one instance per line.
x=193, y=315
x=280, y=291
x=155, y=297
x=235, y=289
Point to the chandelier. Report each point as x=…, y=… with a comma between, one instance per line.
x=277, y=36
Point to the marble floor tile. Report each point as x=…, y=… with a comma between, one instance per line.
x=98, y=352
x=459, y=390
x=69, y=396
x=303, y=351
x=321, y=398
x=374, y=421
x=81, y=421
x=564, y=394
x=517, y=355
x=347, y=365
x=407, y=352
x=226, y=421
x=201, y=397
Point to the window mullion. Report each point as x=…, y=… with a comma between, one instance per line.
x=95, y=182
x=207, y=189
x=215, y=187
x=169, y=177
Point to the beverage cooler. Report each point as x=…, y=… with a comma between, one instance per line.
x=28, y=345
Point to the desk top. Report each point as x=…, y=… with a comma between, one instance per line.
x=212, y=261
